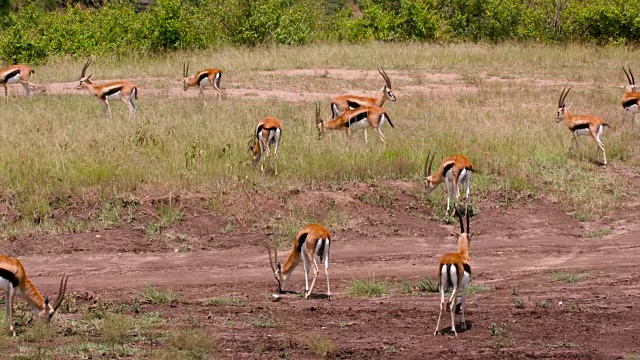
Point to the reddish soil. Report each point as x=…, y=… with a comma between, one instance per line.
x=513, y=252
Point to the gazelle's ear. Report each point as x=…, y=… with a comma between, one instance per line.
x=279, y=266
x=46, y=301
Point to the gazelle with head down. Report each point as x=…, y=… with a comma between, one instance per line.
x=201, y=79
x=455, y=171
x=342, y=103
x=630, y=98
x=15, y=74
x=582, y=125
x=117, y=90
x=311, y=246
x=14, y=281
x=267, y=134
x=354, y=119
x=454, y=271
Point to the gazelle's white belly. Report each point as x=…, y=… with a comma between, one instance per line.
x=632, y=108
x=580, y=132
x=14, y=80
x=359, y=124
x=4, y=284
x=205, y=82
x=115, y=96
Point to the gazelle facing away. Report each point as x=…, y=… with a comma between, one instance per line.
x=454, y=271
x=311, y=245
x=16, y=74
x=630, y=97
x=582, y=125
x=342, y=103
x=354, y=119
x=267, y=134
x=455, y=171
x=117, y=90
x=14, y=281
x=201, y=79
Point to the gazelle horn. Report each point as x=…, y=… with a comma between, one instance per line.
x=61, y=291
x=628, y=78
x=460, y=218
x=84, y=68
x=428, y=164
x=633, y=79
x=386, y=77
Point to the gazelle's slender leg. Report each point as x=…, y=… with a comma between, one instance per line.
x=107, y=108
x=575, y=138
x=453, y=275
x=365, y=136
x=443, y=289
x=380, y=135
x=217, y=90
x=307, y=266
x=315, y=275
x=325, y=256
x=9, y=297
x=463, y=290
x=466, y=203
x=446, y=182
x=6, y=93
x=275, y=151
x=27, y=90
x=202, y=95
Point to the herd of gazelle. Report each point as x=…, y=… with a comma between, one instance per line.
x=311, y=245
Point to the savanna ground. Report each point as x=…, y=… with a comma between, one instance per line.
x=161, y=220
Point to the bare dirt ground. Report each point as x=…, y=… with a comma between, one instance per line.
x=521, y=310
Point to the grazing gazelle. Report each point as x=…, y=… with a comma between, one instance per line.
x=14, y=281
x=455, y=171
x=117, y=90
x=342, y=103
x=630, y=97
x=267, y=133
x=16, y=74
x=353, y=119
x=201, y=79
x=582, y=125
x=454, y=271
x=311, y=245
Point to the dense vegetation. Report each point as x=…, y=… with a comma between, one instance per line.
x=32, y=32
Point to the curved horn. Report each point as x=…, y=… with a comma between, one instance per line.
x=460, y=218
x=467, y=216
x=565, y=96
x=61, y=292
x=633, y=79
x=273, y=266
x=427, y=167
x=186, y=72
x=84, y=68
x=628, y=78
x=561, y=95
x=318, y=118
x=386, y=77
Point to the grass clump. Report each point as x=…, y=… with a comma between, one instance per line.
x=474, y=289
x=598, y=233
x=369, y=287
x=567, y=277
x=192, y=343
x=264, y=322
x=224, y=301
x=321, y=347
x=500, y=337
x=152, y=295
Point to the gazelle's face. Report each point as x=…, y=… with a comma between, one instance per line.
x=281, y=277
x=429, y=184
x=83, y=82
x=254, y=151
x=320, y=129
x=632, y=88
x=185, y=84
x=389, y=94
x=48, y=311
x=560, y=114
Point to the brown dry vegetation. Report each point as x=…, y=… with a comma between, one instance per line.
x=161, y=220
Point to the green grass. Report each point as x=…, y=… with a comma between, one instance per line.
x=474, y=289
x=152, y=295
x=320, y=347
x=598, y=233
x=224, y=301
x=368, y=287
x=61, y=146
x=264, y=322
x=568, y=277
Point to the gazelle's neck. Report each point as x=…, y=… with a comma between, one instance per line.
x=382, y=97
x=32, y=296
x=292, y=262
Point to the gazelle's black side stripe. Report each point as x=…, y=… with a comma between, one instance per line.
x=352, y=104
x=467, y=268
x=630, y=102
x=301, y=241
x=11, y=277
x=10, y=75
x=360, y=116
x=448, y=167
x=580, y=126
x=111, y=91
x=202, y=76
x=261, y=127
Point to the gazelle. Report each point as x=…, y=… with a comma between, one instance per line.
x=354, y=119
x=582, y=125
x=14, y=281
x=455, y=171
x=117, y=90
x=630, y=97
x=267, y=133
x=201, y=79
x=311, y=244
x=454, y=271
x=343, y=103
x=16, y=74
